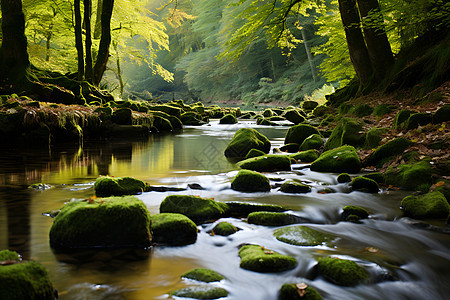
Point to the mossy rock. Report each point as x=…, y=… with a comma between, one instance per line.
x=294, y=187
x=250, y=181
x=383, y=109
x=197, y=209
x=340, y=160
x=395, y=147
x=276, y=118
x=271, y=218
x=266, y=163
x=203, y=275
x=430, y=205
x=298, y=133
x=442, y=115
x=268, y=113
x=309, y=105
x=418, y=119
x=319, y=111
x=294, y=116
x=200, y=292
x=258, y=259
x=117, y=186
x=305, y=156
x=377, y=176
x=6, y=255
x=122, y=116
x=290, y=148
x=162, y=124
x=265, y=122
x=415, y=176
x=289, y=291
x=341, y=271
x=105, y=112
x=174, y=121
x=25, y=280
x=241, y=209
x=254, y=153
x=361, y=110
x=173, y=229
x=353, y=210
x=225, y=229
x=191, y=118
x=314, y=141
x=343, y=178
x=300, y=235
x=168, y=109
x=364, y=184
x=104, y=222
x=346, y=132
x=373, y=137
x=228, y=119
x=244, y=140
x=400, y=119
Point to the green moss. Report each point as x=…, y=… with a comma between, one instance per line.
x=314, y=141
x=294, y=187
x=382, y=109
x=344, y=108
x=320, y=111
x=241, y=209
x=26, y=280
x=377, y=176
x=346, y=132
x=117, y=186
x=298, y=133
x=276, y=118
x=430, y=205
x=271, y=218
x=162, y=124
x=200, y=292
x=401, y=118
x=250, y=181
x=309, y=105
x=254, y=153
x=106, y=222
x=191, y=118
x=225, y=229
x=256, y=258
x=442, y=115
x=168, y=109
x=268, y=113
x=353, y=210
x=265, y=122
x=203, y=275
x=244, y=140
x=173, y=229
x=290, y=292
x=174, y=121
x=305, y=156
x=294, y=116
x=195, y=208
x=104, y=111
x=228, y=119
x=341, y=271
x=122, y=116
x=9, y=255
x=361, y=110
x=343, y=177
x=373, y=137
x=364, y=184
x=395, y=147
x=418, y=119
x=409, y=176
x=290, y=148
x=266, y=163
x=342, y=159
x=303, y=236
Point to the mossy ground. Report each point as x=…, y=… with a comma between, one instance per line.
x=258, y=259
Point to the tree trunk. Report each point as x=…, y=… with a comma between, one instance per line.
x=119, y=72
x=79, y=39
x=88, y=74
x=98, y=21
x=355, y=41
x=49, y=37
x=105, y=41
x=14, y=60
x=378, y=46
x=308, y=54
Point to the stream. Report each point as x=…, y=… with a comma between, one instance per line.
x=406, y=259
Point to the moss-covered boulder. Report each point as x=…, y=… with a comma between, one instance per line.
x=364, y=184
x=430, y=205
x=290, y=148
x=268, y=113
x=442, y=115
x=291, y=291
x=373, y=137
x=314, y=141
x=401, y=118
x=266, y=163
x=200, y=292
x=300, y=235
x=228, y=119
x=254, y=153
x=250, y=181
x=242, y=210
x=117, y=186
x=309, y=105
x=361, y=110
x=341, y=271
x=197, y=209
x=192, y=119
x=122, y=116
x=320, y=111
x=377, y=176
x=415, y=176
x=343, y=178
x=294, y=116
x=161, y=124
x=174, y=121
x=305, y=156
x=168, y=109
x=173, y=229
x=298, y=133
x=271, y=218
x=395, y=147
x=23, y=279
x=294, y=187
x=352, y=211
x=258, y=259
x=203, y=275
x=347, y=132
x=244, y=140
x=225, y=229
x=340, y=160
x=418, y=119
x=103, y=222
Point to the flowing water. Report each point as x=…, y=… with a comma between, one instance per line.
x=406, y=259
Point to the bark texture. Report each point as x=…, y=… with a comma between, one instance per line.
x=79, y=39
x=105, y=41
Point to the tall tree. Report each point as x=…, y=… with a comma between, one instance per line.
x=105, y=41
x=14, y=60
x=88, y=73
x=79, y=39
